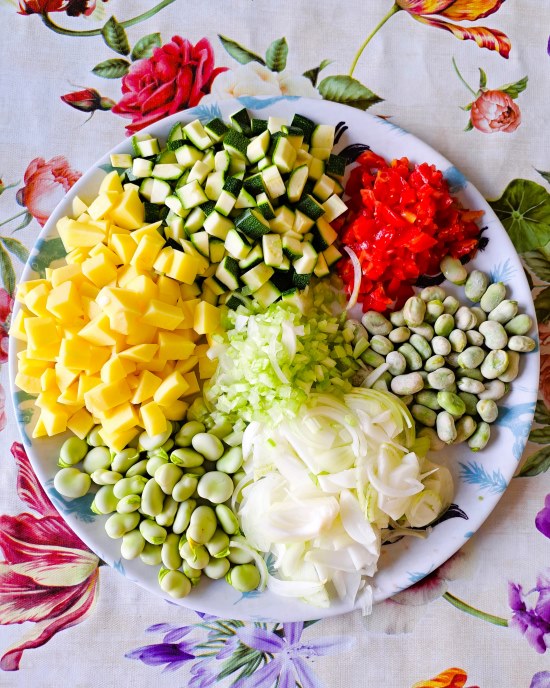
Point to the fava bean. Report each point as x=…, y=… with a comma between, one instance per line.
x=227, y=519
x=453, y=270
x=183, y=516
x=239, y=551
x=434, y=293
x=433, y=363
x=382, y=345
x=413, y=358
x=167, y=476
x=185, y=487
x=414, y=311
x=231, y=461
x=125, y=459
x=481, y=436
x=505, y=311
x=434, y=309
x=465, y=428
x=451, y=305
x=423, y=415
x=495, y=364
x=72, y=451
x=468, y=384
x=94, y=438
x=436, y=444
x=445, y=426
x=407, y=399
x=217, y=568
x=473, y=373
x=186, y=458
x=519, y=342
x=425, y=330
x=397, y=319
x=476, y=285
x=105, y=501
x=132, y=544
x=169, y=552
x=174, y=583
x=444, y=325
x=152, y=532
x=494, y=389
x=512, y=370
x=104, y=477
x=154, y=463
x=441, y=379
x=139, y=468
x=150, y=442
x=521, y=324
x=128, y=504
x=428, y=398
x=421, y=345
x=441, y=346
x=487, y=410
x=458, y=341
x=130, y=486
x=72, y=483
x=481, y=315
x=399, y=335
x=197, y=555
x=371, y=358
x=186, y=433
x=119, y=524
x=470, y=402
x=452, y=359
x=152, y=498
x=494, y=334
x=218, y=545
x=465, y=319
x=452, y=403
x=472, y=357
x=215, y=486
x=407, y=384
x=202, y=525
x=474, y=338
x=98, y=458
x=151, y=554
x=168, y=514
x=244, y=577
x=493, y=296
x=193, y=574
x=376, y=323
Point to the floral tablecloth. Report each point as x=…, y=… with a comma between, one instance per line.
x=471, y=78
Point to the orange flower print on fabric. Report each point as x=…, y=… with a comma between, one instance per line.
x=450, y=678
x=434, y=13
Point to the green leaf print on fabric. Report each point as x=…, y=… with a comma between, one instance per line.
x=349, y=91
x=542, y=305
x=513, y=90
x=48, y=252
x=8, y=273
x=144, y=47
x=115, y=68
x=542, y=413
x=313, y=74
x=537, y=463
x=238, y=52
x=15, y=247
x=275, y=57
x=544, y=175
x=524, y=210
x=115, y=37
x=540, y=435
x=538, y=264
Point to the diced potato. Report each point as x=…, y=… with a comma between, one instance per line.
x=162, y=315
x=129, y=212
x=64, y=302
x=148, y=383
x=111, y=183
x=207, y=318
x=172, y=387
x=153, y=419
x=100, y=270
x=81, y=423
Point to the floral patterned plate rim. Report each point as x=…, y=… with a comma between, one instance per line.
x=480, y=479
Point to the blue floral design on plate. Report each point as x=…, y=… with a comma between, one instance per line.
x=261, y=103
x=503, y=272
x=518, y=420
x=456, y=180
x=206, y=112
x=80, y=507
x=475, y=474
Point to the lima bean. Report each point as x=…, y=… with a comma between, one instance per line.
x=480, y=437
x=414, y=311
x=476, y=285
x=244, y=577
x=376, y=323
x=128, y=504
x=101, y=476
x=519, y=342
x=505, y=311
x=493, y=296
x=124, y=459
x=495, y=364
x=151, y=554
x=441, y=345
x=494, y=334
x=130, y=486
x=521, y=324
x=446, y=428
x=487, y=410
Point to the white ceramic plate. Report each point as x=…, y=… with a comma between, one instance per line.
x=480, y=479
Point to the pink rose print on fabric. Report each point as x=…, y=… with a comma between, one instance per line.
x=495, y=111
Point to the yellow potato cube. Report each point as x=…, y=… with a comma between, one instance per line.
x=147, y=251
x=188, y=307
x=156, y=365
x=100, y=270
x=76, y=234
x=54, y=421
x=48, y=381
x=99, y=355
x=25, y=287
x=117, y=440
x=36, y=299
x=163, y=261
x=176, y=410
x=64, y=377
x=150, y=229
x=129, y=212
x=174, y=346
x=65, y=273
x=77, y=255
x=39, y=429
x=103, y=225
x=29, y=366
x=75, y=353
x=111, y=182
x=102, y=204
x=143, y=334
x=172, y=387
x=70, y=396
x=126, y=274
x=207, y=318
x=64, y=302
x=113, y=370
x=142, y=353
x=90, y=308
x=152, y=418
x=120, y=418
x=86, y=288
x=148, y=383
x=17, y=327
x=187, y=364
x=184, y=268
x=207, y=368
x=145, y=287
x=189, y=291
x=87, y=383
x=78, y=206
x=28, y=383
x=80, y=423
x=114, y=299
x=162, y=315
x=41, y=332
x=101, y=249
x=124, y=246
x=193, y=383
x=107, y=395
x=168, y=290
x=98, y=332
x=167, y=369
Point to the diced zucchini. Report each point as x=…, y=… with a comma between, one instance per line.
x=274, y=124
x=252, y=223
x=175, y=205
x=236, y=245
x=237, y=165
x=221, y=161
x=166, y=157
x=245, y=200
x=236, y=143
x=255, y=257
x=292, y=247
x=257, y=276
x=258, y=125
x=214, y=285
x=200, y=241
x=321, y=268
x=320, y=153
x=188, y=155
x=225, y=203
x=302, y=223
x=217, y=225
x=142, y=168
x=285, y=264
x=323, y=235
x=241, y=121
x=283, y=220
x=306, y=263
x=176, y=132
x=199, y=171
x=323, y=188
x=191, y=194
x=335, y=165
x=217, y=251
x=147, y=147
x=273, y=181
x=316, y=168
x=214, y=185
x=309, y=206
x=254, y=184
x=301, y=280
x=264, y=206
x=296, y=183
x=154, y=212
x=264, y=162
x=332, y=255
x=121, y=160
x=284, y=155
x=228, y=273
x=233, y=185
x=208, y=207
x=167, y=171
x=146, y=188
x=208, y=159
x=294, y=135
x=196, y=133
x=322, y=136
x=305, y=124
x=334, y=207
x=267, y=294
x=174, y=229
x=194, y=220
x=258, y=147
x=216, y=129
x=160, y=191
x=272, y=248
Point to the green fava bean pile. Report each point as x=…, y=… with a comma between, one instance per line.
x=450, y=361
x=167, y=498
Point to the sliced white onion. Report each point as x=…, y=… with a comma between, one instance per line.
x=356, y=277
